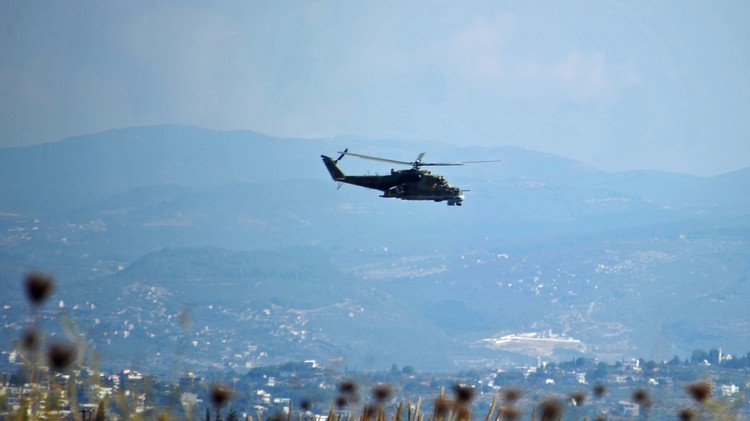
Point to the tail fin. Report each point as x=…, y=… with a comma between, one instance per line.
x=333, y=169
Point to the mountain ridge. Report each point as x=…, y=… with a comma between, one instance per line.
x=250, y=234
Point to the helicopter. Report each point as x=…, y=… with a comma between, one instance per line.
x=414, y=183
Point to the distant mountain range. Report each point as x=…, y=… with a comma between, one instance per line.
x=247, y=237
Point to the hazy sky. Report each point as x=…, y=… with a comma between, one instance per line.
x=616, y=84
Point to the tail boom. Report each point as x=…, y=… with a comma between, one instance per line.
x=333, y=169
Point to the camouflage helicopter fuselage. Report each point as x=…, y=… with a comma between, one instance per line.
x=409, y=184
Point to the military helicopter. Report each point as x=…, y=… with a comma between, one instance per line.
x=410, y=184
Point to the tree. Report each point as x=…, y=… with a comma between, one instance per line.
x=394, y=370
x=601, y=371
x=407, y=369
x=699, y=356
x=233, y=415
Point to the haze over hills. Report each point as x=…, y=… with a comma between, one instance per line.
x=248, y=235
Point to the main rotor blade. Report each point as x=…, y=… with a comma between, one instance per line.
x=440, y=164
x=418, y=162
x=481, y=162
x=374, y=158
x=449, y=164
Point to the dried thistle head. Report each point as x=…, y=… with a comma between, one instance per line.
x=686, y=414
x=38, y=287
x=60, y=355
x=511, y=394
x=600, y=390
x=341, y=402
x=550, y=410
x=220, y=395
x=642, y=398
x=578, y=397
x=381, y=393
x=463, y=393
x=699, y=391
x=30, y=340
x=348, y=387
